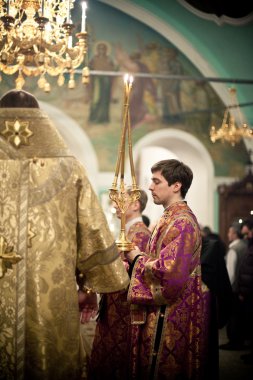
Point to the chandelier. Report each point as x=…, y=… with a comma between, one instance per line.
x=36, y=41
x=229, y=131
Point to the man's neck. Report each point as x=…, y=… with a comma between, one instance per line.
x=132, y=216
x=174, y=200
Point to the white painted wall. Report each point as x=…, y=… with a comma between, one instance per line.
x=76, y=140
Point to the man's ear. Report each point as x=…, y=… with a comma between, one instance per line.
x=136, y=205
x=177, y=187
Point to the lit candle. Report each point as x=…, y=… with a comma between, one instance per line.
x=84, y=7
x=42, y=8
x=68, y=11
x=126, y=77
x=70, y=41
x=128, y=80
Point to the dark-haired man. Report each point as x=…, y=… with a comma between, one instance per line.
x=166, y=282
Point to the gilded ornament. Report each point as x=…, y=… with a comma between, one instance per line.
x=17, y=132
x=229, y=130
x=7, y=256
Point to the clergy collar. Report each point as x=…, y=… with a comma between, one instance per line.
x=172, y=205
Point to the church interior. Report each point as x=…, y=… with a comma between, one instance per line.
x=191, y=99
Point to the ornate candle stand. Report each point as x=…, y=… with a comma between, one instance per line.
x=120, y=194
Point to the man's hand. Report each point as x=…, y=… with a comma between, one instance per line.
x=88, y=305
x=131, y=255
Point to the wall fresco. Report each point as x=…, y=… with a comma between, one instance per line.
x=117, y=44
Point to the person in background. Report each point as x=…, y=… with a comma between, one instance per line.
x=52, y=228
x=247, y=230
x=245, y=288
x=209, y=234
x=112, y=344
x=215, y=275
x=101, y=86
x=166, y=284
x=146, y=220
x=235, y=254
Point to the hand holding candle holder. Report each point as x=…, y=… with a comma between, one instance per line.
x=121, y=194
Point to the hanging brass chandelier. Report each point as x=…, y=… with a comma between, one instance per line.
x=36, y=41
x=229, y=130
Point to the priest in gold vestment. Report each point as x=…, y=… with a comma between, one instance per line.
x=51, y=228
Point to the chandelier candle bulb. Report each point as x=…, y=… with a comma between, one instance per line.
x=83, y=25
x=70, y=41
x=68, y=12
x=42, y=8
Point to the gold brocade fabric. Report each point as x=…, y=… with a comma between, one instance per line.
x=44, y=141
x=52, y=218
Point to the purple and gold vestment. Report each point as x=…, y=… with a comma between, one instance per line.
x=171, y=341
x=111, y=346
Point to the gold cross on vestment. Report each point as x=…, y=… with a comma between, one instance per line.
x=7, y=256
x=17, y=132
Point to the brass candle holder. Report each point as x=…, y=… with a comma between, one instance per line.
x=120, y=194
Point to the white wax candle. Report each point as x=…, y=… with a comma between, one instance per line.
x=42, y=8
x=70, y=42
x=84, y=7
x=68, y=12
x=126, y=76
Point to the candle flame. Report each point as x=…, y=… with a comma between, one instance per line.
x=84, y=5
x=128, y=79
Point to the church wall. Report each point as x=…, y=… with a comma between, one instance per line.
x=90, y=117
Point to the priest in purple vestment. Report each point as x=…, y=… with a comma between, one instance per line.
x=172, y=339
x=111, y=351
